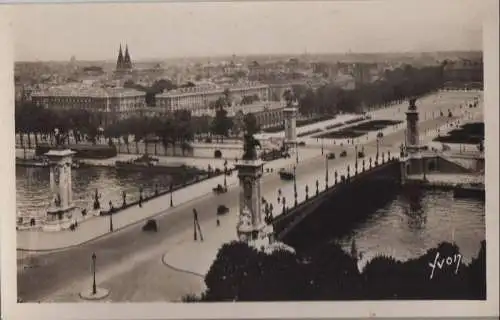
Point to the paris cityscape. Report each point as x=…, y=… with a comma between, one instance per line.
x=263, y=176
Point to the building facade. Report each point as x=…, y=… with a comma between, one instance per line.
x=201, y=97
x=111, y=104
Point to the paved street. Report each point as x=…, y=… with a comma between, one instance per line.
x=129, y=261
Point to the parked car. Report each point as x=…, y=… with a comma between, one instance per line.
x=361, y=154
x=286, y=174
x=343, y=154
x=331, y=155
x=219, y=189
x=150, y=225
x=302, y=144
x=222, y=209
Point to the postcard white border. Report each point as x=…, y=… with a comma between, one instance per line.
x=12, y=310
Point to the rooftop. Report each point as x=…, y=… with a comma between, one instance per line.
x=77, y=90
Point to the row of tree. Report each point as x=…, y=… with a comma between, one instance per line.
x=176, y=129
x=395, y=85
x=241, y=273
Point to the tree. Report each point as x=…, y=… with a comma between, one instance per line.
x=184, y=128
x=221, y=124
x=238, y=123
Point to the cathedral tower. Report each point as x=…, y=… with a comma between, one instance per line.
x=119, y=61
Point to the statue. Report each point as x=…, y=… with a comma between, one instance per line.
x=57, y=200
x=245, y=222
x=413, y=106
x=249, y=147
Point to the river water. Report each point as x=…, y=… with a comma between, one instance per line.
x=33, y=190
x=407, y=227
x=404, y=228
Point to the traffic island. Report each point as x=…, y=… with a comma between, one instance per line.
x=100, y=293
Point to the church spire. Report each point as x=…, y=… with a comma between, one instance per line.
x=119, y=62
x=127, y=61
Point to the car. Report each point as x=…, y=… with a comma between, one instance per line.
x=361, y=154
x=219, y=189
x=222, y=210
x=150, y=225
x=331, y=155
x=286, y=174
x=343, y=154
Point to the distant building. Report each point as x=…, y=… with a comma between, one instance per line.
x=200, y=98
x=108, y=104
x=463, y=73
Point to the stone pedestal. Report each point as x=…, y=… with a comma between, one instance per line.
x=60, y=184
x=413, y=162
x=290, y=116
x=251, y=225
x=100, y=294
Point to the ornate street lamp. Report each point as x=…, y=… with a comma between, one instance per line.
x=356, y=159
x=317, y=187
x=225, y=174
x=295, y=184
x=171, y=195
x=297, y=153
x=94, y=287
x=326, y=173
x=111, y=209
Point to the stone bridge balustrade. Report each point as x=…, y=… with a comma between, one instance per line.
x=282, y=224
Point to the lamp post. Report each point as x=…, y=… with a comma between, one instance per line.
x=326, y=173
x=295, y=184
x=356, y=159
x=322, y=146
x=225, y=174
x=94, y=288
x=297, y=153
x=171, y=195
x=111, y=209
x=376, y=158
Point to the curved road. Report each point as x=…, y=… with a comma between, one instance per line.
x=130, y=252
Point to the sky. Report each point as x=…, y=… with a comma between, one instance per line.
x=168, y=30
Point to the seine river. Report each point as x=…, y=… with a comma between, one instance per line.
x=402, y=229
x=406, y=229
x=33, y=189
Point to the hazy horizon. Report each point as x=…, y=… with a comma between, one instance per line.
x=156, y=31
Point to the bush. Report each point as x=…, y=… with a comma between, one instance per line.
x=241, y=273
x=217, y=154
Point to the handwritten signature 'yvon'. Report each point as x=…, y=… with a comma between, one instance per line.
x=445, y=262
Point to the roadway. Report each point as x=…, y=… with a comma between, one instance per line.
x=129, y=260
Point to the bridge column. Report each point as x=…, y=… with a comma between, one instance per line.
x=60, y=160
x=413, y=162
x=290, y=116
x=251, y=225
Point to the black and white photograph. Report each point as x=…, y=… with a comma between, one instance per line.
x=224, y=152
